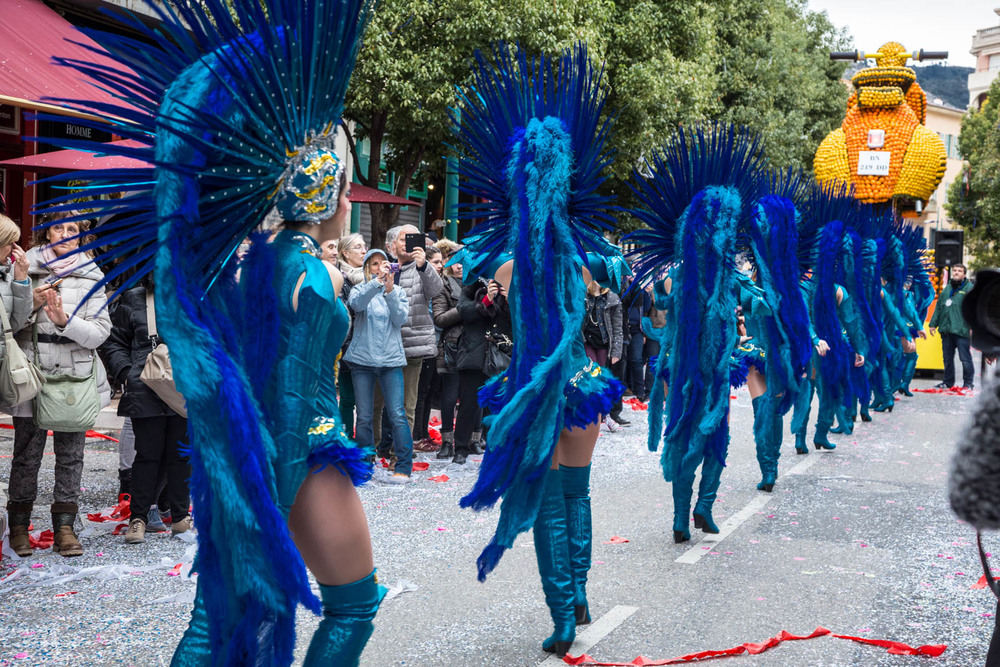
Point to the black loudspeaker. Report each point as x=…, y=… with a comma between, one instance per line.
x=948, y=247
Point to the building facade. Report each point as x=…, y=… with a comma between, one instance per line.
x=986, y=49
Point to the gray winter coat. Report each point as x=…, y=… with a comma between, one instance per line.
x=16, y=301
x=612, y=324
x=378, y=317
x=87, y=330
x=421, y=285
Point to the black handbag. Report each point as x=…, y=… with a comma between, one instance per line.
x=498, y=351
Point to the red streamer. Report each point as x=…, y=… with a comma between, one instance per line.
x=615, y=539
x=894, y=648
x=120, y=512
x=44, y=541
x=439, y=478
x=421, y=465
x=119, y=529
x=89, y=434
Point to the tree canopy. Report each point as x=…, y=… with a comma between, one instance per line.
x=974, y=199
x=760, y=63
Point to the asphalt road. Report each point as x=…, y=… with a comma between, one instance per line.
x=860, y=541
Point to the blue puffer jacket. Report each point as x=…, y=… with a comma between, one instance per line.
x=379, y=318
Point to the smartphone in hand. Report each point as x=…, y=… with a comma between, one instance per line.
x=414, y=241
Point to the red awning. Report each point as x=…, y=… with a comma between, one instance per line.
x=69, y=160
x=362, y=194
x=30, y=35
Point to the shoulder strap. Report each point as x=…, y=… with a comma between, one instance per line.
x=6, y=320
x=150, y=314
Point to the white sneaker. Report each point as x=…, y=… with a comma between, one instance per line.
x=611, y=424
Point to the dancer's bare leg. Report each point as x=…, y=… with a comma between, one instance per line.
x=329, y=526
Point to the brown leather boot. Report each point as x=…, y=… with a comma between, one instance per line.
x=63, y=518
x=19, y=515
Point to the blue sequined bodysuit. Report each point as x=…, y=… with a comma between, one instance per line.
x=302, y=395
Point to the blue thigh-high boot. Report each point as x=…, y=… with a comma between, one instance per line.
x=711, y=473
x=348, y=612
x=195, y=647
x=909, y=369
x=763, y=434
x=824, y=419
x=681, y=489
x=576, y=492
x=800, y=417
x=554, y=566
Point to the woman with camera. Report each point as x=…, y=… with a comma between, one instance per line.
x=376, y=355
x=65, y=329
x=485, y=314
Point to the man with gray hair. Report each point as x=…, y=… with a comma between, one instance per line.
x=422, y=283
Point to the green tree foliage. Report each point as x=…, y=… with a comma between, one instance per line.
x=760, y=63
x=414, y=54
x=974, y=199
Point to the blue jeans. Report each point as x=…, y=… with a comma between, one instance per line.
x=949, y=343
x=391, y=382
x=636, y=364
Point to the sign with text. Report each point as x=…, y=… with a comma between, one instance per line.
x=874, y=163
x=59, y=131
x=10, y=119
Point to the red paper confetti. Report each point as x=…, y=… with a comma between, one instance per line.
x=439, y=478
x=43, y=541
x=119, y=529
x=953, y=391
x=175, y=570
x=383, y=462
x=635, y=404
x=63, y=595
x=421, y=465
x=895, y=648
x=615, y=540
x=120, y=512
x=980, y=584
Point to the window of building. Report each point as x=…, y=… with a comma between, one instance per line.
x=995, y=61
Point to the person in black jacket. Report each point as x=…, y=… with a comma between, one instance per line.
x=484, y=311
x=160, y=433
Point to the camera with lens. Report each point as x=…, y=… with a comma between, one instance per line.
x=981, y=310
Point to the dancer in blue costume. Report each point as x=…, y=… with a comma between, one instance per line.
x=896, y=336
x=775, y=320
x=700, y=194
x=531, y=145
x=918, y=293
x=837, y=331
x=235, y=117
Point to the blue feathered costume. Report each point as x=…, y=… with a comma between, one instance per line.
x=233, y=105
x=531, y=146
x=696, y=197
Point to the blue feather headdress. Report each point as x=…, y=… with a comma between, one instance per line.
x=697, y=197
x=223, y=97
x=531, y=143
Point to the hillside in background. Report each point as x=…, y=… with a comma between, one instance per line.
x=948, y=82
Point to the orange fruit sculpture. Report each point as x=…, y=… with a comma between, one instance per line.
x=882, y=148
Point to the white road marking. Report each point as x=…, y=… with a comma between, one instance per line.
x=710, y=542
x=594, y=633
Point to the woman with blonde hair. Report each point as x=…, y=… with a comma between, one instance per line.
x=68, y=324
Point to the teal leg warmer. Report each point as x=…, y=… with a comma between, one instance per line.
x=909, y=369
x=348, y=612
x=711, y=473
x=579, y=527
x=195, y=647
x=552, y=553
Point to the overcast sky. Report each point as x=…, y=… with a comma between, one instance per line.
x=932, y=25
